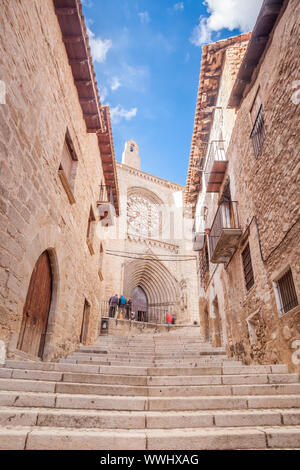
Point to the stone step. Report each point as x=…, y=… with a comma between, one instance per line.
x=146, y=419
x=209, y=438
x=151, y=371
x=224, y=438
x=50, y=376
x=145, y=354
x=142, y=403
x=139, y=390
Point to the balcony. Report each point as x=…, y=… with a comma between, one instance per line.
x=258, y=132
x=215, y=167
x=106, y=206
x=198, y=241
x=225, y=232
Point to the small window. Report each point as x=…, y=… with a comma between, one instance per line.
x=258, y=132
x=247, y=266
x=287, y=297
x=67, y=168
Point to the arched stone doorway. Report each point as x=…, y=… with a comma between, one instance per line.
x=160, y=287
x=139, y=303
x=36, y=308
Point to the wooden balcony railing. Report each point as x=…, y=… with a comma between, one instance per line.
x=225, y=232
x=215, y=167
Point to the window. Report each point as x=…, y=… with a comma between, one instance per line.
x=67, y=168
x=90, y=231
x=258, y=133
x=247, y=265
x=286, y=296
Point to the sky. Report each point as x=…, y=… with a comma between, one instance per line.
x=147, y=57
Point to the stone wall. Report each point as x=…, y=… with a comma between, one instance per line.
x=266, y=187
x=35, y=213
x=126, y=327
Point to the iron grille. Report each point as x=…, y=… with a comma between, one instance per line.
x=258, y=132
x=247, y=265
x=287, y=292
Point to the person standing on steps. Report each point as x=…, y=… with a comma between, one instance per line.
x=113, y=304
x=122, y=305
x=128, y=308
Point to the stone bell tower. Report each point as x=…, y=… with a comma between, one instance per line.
x=130, y=155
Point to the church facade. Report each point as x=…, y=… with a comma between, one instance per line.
x=148, y=252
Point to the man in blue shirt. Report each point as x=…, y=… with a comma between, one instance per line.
x=122, y=305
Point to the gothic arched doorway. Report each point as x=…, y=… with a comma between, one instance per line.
x=139, y=303
x=36, y=308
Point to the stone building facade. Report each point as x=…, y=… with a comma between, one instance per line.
x=150, y=248
x=56, y=150
x=243, y=187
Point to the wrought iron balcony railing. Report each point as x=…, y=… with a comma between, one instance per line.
x=215, y=167
x=258, y=132
x=225, y=232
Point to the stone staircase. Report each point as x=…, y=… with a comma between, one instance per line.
x=149, y=391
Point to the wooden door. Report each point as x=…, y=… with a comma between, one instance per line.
x=36, y=308
x=85, y=322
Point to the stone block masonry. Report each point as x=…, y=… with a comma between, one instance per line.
x=35, y=213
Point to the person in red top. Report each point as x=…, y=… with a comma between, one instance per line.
x=169, y=318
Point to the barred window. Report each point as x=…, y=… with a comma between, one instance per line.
x=286, y=292
x=247, y=265
x=258, y=132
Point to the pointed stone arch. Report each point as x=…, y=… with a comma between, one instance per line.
x=154, y=278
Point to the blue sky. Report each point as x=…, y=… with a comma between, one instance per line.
x=147, y=56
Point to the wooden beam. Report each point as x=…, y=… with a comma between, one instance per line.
x=83, y=82
x=72, y=39
x=78, y=61
x=65, y=11
x=92, y=130
x=90, y=115
x=88, y=100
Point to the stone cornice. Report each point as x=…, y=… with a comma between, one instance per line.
x=152, y=243
x=149, y=177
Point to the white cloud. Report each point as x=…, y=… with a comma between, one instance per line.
x=99, y=47
x=117, y=113
x=144, y=17
x=179, y=6
x=201, y=34
x=103, y=94
x=87, y=3
x=228, y=14
x=115, y=83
